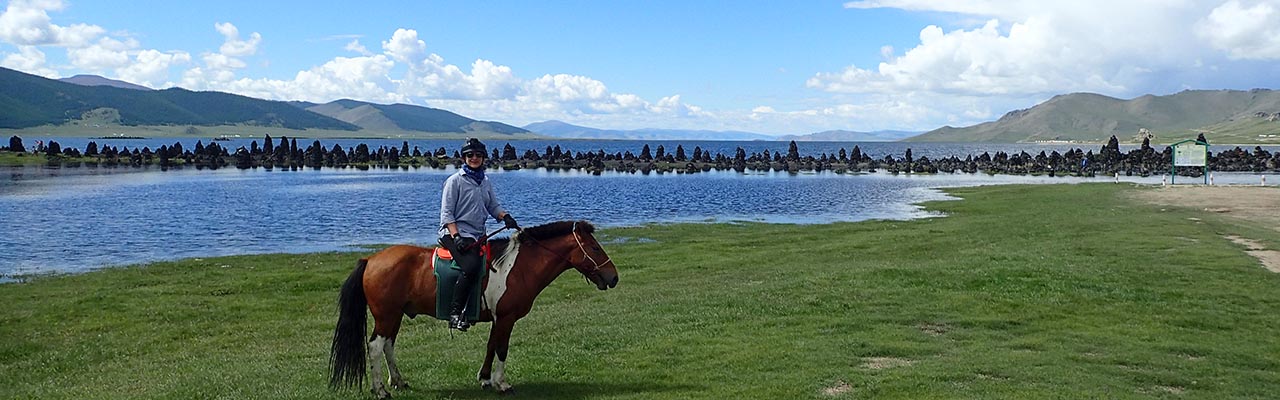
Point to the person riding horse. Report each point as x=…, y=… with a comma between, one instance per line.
x=466, y=200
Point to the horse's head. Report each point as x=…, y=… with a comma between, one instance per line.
x=591, y=260
x=573, y=242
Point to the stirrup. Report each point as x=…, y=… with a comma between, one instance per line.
x=459, y=323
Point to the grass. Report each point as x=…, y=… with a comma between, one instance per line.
x=9, y=158
x=1053, y=291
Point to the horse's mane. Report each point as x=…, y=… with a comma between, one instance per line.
x=543, y=232
x=553, y=230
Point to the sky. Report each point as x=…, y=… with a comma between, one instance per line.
x=758, y=66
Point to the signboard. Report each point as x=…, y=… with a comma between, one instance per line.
x=1190, y=155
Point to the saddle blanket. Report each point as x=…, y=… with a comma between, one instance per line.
x=447, y=272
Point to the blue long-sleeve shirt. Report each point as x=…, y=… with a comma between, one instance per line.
x=467, y=203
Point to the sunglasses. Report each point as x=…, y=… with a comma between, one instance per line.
x=473, y=155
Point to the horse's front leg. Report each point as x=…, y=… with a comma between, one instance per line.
x=489, y=375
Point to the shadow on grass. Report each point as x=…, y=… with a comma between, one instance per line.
x=548, y=390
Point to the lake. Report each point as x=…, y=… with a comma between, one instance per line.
x=77, y=219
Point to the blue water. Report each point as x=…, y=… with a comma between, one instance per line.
x=76, y=219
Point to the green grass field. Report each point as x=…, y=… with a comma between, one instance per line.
x=1050, y=291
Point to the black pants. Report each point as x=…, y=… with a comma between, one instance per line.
x=472, y=264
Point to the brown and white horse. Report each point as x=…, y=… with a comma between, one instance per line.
x=399, y=281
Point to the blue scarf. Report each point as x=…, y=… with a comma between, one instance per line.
x=475, y=174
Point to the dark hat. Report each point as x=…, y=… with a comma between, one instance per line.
x=474, y=145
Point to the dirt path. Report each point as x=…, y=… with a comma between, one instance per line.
x=1250, y=203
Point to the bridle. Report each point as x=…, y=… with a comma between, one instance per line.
x=595, y=265
x=584, y=250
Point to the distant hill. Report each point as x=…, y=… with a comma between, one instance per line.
x=404, y=117
x=94, y=80
x=850, y=136
x=27, y=100
x=564, y=130
x=1225, y=116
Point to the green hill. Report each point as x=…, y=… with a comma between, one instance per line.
x=28, y=101
x=1224, y=116
x=404, y=117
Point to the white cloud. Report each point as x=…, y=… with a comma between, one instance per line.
x=228, y=56
x=233, y=46
x=430, y=77
x=219, y=61
x=27, y=23
x=566, y=88
x=1244, y=32
x=355, y=46
x=405, y=47
x=1035, y=47
x=29, y=59
x=106, y=54
x=362, y=78
x=982, y=61
x=151, y=67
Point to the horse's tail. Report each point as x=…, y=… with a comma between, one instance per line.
x=347, y=355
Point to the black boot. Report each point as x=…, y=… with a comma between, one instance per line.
x=471, y=264
x=456, y=321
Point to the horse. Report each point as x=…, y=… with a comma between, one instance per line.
x=399, y=281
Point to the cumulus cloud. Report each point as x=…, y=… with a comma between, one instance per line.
x=105, y=54
x=363, y=78
x=228, y=55
x=29, y=59
x=1034, y=47
x=405, y=47
x=27, y=23
x=151, y=67
x=233, y=46
x=1244, y=31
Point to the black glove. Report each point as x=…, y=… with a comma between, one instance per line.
x=462, y=243
x=510, y=221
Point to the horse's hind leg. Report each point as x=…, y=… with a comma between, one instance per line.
x=384, y=336
x=397, y=381
x=377, y=348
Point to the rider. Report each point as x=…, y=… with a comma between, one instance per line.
x=467, y=200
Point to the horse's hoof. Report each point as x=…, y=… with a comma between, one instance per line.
x=508, y=392
x=486, y=385
x=383, y=394
x=400, y=385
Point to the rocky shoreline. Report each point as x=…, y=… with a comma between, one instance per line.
x=285, y=153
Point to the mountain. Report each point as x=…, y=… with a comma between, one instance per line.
x=94, y=80
x=1233, y=116
x=564, y=130
x=404, y=117
x=27, y=100
x=850, y=136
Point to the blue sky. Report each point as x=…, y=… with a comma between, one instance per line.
x=769, y=67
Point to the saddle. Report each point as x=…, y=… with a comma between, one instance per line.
x=447, y=272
